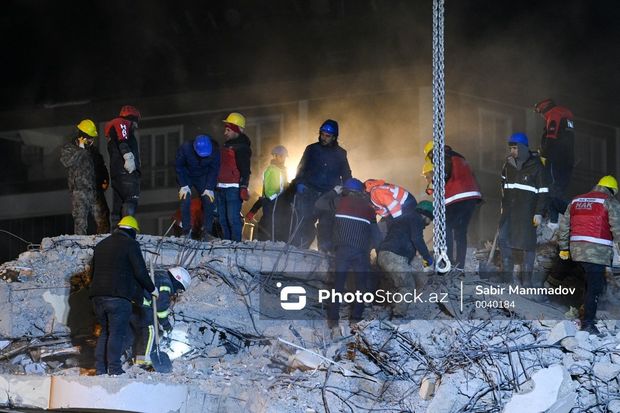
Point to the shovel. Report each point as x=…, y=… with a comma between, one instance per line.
x=161, y=361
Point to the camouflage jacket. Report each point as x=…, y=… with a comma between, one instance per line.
x=80, y=167
x=588, y=251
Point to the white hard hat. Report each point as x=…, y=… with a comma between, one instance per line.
x=181, y=275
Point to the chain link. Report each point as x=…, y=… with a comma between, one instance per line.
x=442, y=262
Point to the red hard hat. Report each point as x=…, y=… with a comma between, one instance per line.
x=127, y=111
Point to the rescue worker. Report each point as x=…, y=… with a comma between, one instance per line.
x=234, y=176
x=120, y=277
x=587, y=234
x=524, y=197
x=87, y=176
x=169, y=283
x=557, y=147
x=462, y=194
x=272, y=226
x=395, y=254
x=197, y=165
x=354, y=219
x=323, y=165
x=124, y=161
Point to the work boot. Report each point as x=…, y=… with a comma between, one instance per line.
x=590, y=327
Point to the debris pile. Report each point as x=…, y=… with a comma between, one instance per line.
x=228, y=357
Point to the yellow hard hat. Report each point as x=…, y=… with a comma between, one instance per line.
x=129, y=222
x=88, y=127
x=428, y=148
x=427, y=167
x=610, y=182
x=236, y=119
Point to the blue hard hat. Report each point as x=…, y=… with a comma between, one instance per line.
x=353, y=184
x=329, y=126
x=518, y=137
x=203, y=145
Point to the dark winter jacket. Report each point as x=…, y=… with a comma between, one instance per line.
x=119, y=269
x=524, y=194
x=102, y=177
x=405, y=237
x=235, y=165
x=191, y=167
x=121, y=140
x=354, y=218
x=558, y=139
x=323, y=167
x=80, y=167
x=167, y=290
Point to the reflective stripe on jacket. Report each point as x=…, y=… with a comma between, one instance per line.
x=590, y=219
x=388, y=199
x=462, y=184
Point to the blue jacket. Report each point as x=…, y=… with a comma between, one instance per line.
x=323, y=167
x=192, y=168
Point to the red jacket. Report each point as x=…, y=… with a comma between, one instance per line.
x=589, y=219
x=462, y=184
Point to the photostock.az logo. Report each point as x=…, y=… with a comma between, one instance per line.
x=292, y=291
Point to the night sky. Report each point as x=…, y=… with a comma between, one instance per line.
x=60, y=51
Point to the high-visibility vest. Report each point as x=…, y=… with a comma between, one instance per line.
x=388, y=199
x=589, y=219
x=462, y=184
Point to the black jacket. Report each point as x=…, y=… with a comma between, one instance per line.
x=119, y=269
x=524, y=194
x=243, y=156
x=323, y=167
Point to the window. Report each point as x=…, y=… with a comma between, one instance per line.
x=494, y=127
x=158, y=148
x=591, y=153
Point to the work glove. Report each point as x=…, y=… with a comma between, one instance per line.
x=209, y=193
x=130, y=163
x=564, y=255
x=155, y=293
x=244, y=194
x=104, y=185
x=300, y=188
x=537, y=220
x=428, y=265
x=165, y=324
x=81, y=142
x=338, y=189
x=184, y=191
x=553, y=225
x=429, y=190
x=249, y=216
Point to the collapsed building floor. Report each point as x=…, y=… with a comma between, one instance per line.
x=229, y=356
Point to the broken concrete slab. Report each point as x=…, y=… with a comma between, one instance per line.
x=560, y=331
x=606, y=371
x=25, y=391
x=545, y=395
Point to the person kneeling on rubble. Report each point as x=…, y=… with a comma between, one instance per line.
x=587, y=233
x=168, y=283
x=354, y=221
x=405, y=238
x=119, y=277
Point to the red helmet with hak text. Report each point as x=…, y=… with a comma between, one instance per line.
x=128, y=111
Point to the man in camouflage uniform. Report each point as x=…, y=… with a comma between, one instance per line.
x=587, y=233
x=87, y=178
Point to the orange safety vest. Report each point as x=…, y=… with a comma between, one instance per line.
x=388, y=199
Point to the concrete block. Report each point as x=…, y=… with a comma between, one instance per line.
x=21, y=391
x=560, y=331
x=427, y=389
x=606, y=371
x=117, y=393
x=552, y=392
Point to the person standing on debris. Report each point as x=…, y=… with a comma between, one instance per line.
x=272, y=224
x=169, y=284
x=462, y=194
x=197, y=165
x=119, y=278
x=124, y=162
x=395, y=254
x=234, y=176
x=587, y=234
x=324, y=165
x=354, y=219
x=87, y=179
x=524, y=198
x=557, y=147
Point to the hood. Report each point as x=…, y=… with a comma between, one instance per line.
x=603, y=189
x=372, y=183
x=523, y=156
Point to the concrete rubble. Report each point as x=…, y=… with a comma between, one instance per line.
x=229, y=358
